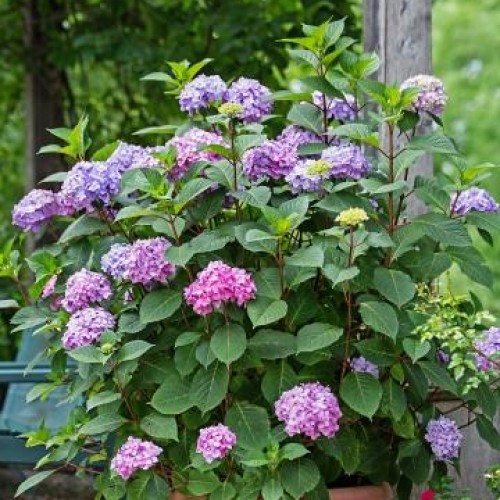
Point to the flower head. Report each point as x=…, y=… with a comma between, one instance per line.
x=230, y=109
x=351, y=217
x=271, y=159
x=35, y=209
x=189, y=150
x=86, y=326
x=362, y=365
x=309, y=409
x=432, y=96
x=298, y=136
x=201, y=92
x=348, y=161
x=308, y=175
x=427, y=495
x=217, y=284
x=114, y=262
x=84, y=288
x=489, y=348
x=473, y=199
x=253, y=96
x=444, y=437
x=215, y=442
x=336, y=108
x=135, y=454
x=128, y=156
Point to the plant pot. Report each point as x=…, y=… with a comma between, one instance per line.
x=382, y=492
x=177, y=495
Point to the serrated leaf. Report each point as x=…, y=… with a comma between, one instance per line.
x=278, y=379
x=381, y=317
x=101, y=424
x=159, y=305
x=209, y=386
x=306, y=115
x=362, y=393
x=173, y=397
x=306, y=257
x=273, y=344
x=395, y=286
x=83, y=226
x=159, y=426
x=32, y=481
x=299, y=476
x=228, y=343
x=250, y=423
x=133, y=350
x=317, y=336
x=263, y=311
x=338, y=275
x=415, y=348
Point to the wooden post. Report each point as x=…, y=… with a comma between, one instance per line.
x=399, y=31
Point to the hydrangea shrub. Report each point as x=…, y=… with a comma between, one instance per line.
x=248, y=309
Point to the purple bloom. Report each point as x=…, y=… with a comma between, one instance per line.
x=489, y=347
x=88, y=183
x=86, y=326
x=201, y=92
x=254, y=97
x=362, y=365
x=85, y=288
x=338, y=109
x=114, y=262
x=308, y=175
x=271, y=159
x=128, y=156
x=432, y=96
x=347, y=160
x=35, y=209
x=135, y=454
x=309, y=409
x=188, y=149
x=49, y=287
x=442, y=356
x=215, y=442
x=298, y=136
x=473, y=199
x=444, y=437
x=219, y=283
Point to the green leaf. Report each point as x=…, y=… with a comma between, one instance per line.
x=32, y=481
x=362, y=393
x=306, y=257
x=488, y=221
x=381, y=317
x=173, y=396
x=337, y=275
x=417, y=467
x=250, y=423
x=278, y=378
x=202, y=483
x=299, y=476
x=87, y=354
x=209, y=386
x=191, y=190
x=102, y=398
x=263, y=311
x=228, y=343
x=129, y=323
x=159, y=130
x=306, y=115
x=226, y=491
x=83, y=226
x=268, y=283
x=132, y=212
x=272, y=489
x=159, y=426
x=292, y=451
x=433, y=143
x=380, y=351
x=159, y=305
x=415, y=348
x=257, y=196
x=273, y=344
x=395, y=286
x=358, y=132
x=133, y=350
x=317, y=336
x=395, y=398
x=439, y=376
x=488, y=431
x=345, y=447
x=440, y=228
x=101, y=424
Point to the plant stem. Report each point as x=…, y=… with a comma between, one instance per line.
x=348, y=300
x=391, y=177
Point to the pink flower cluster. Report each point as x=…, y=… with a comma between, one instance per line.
x=309, y=409
x=219, y=283
x=135, y=454
x=85, y=288
x=215, y=442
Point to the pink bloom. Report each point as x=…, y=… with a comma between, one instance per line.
x=215, y=442
x=49, y=287
x=135, y=454
x=85, y=288
x=427, y=495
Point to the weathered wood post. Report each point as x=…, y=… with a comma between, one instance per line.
x=399, y=31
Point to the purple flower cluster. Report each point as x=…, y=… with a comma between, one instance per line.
x=308, y=176
x=85, y=288
x=128, y=156
x=253, y=96
x=362, y=365
x=432, y=96
x=188, y=150
x=49, y=288
x=489, y=347
x=141, y=262
x=135, y=454
x=217, y=284
x=86, y=327
x=271, y=159
x=444, y=437
x=89, y=182
x=338, y=109
x=35, y=209
x=347, y=160
x=309, y=409
x=215, y=442
x=298, y=136
x=201, y=92
x=473, y=199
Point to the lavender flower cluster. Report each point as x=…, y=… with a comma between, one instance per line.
x=310, y=409
x=269, y=160
x=347, y=160
x=35, y=209
x=142, y=262
x=201, y=92
x=473, y=199
x=218, y=284
x=431, y=97
x=444, y=437
x=86, y=326
x=344, y=110
x=362, y=365
x=297, y=136
x=489, y=348
x=135, y=454
x=215, y=442
x=85, y=288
